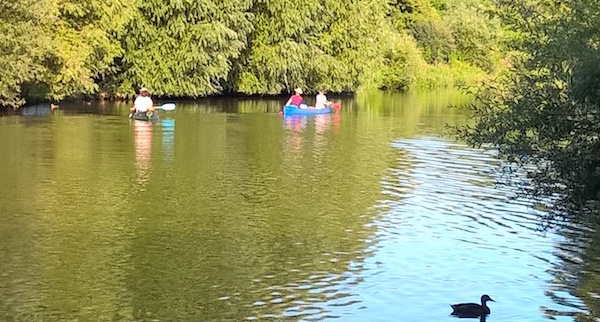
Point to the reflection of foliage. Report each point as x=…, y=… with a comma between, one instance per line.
x=588, y=289
x=237, y=216
x=576, y=277
x=545, y=112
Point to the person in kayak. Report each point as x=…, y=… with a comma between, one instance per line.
x=296, y=99
x=143, y=103
x=321, y=101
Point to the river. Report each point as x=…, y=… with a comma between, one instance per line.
x=225, y=211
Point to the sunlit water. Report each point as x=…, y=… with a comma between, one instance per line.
x=225, y=211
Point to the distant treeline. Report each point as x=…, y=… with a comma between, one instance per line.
x=56, y=49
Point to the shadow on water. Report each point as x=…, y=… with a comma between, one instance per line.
x=576, y=276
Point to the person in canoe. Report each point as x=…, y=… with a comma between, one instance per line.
x=296, y=99
x=143, y=103
x=321, y=101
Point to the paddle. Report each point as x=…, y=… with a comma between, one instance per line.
x=164, y=107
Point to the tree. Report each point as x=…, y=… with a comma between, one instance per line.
x=477, y=35
x=543, y=116
x=337, y=44
x=183, y=47
x=85, y=44
x=435, y=38
x=55, y=49
x=23, y=47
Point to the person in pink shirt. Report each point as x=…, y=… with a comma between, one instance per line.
x=296, y=99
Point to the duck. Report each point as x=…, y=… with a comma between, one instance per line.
x=53, y=106
x=472, y=309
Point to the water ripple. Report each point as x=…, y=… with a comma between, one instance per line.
x=443, y=214
x=233, y=217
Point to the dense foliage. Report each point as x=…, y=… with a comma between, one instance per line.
x=310, y=44
x=182, y=48
x=55, y=49
x=544, y=112
x=23, y=44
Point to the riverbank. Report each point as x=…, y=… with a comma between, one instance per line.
x=434, y=77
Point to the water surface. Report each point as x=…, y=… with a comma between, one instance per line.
x=225, y=211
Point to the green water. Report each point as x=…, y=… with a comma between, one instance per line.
x=221, y=211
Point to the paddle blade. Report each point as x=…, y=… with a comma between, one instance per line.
x=337, y=106
x=167, y=107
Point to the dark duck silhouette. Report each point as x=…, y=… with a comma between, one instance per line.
x=472, y=309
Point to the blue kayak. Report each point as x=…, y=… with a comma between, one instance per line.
x=293, y=110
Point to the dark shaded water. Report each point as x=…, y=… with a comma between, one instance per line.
x=225, y=211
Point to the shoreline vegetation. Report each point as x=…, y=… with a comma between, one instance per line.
x=542, y=115
x=108, y=49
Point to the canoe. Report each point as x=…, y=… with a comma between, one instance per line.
x=145, y=117
x=293, y=110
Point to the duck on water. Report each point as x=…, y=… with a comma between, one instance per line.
x=472, y=309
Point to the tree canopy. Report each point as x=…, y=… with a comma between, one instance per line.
x=54, y=49
x=183, y=48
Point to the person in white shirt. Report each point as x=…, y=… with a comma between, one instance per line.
x=143, y=103
x=322, y=101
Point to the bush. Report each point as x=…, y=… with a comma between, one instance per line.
x=475, y=34
x=401, y=61
x=435, y=40
x=454, y=74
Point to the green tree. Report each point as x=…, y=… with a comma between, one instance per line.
x=23, y=47
x=404, y=13
x=400, y=64
x=85, y=44
x=543, y=116
x=54, y=49
x=337, y=44
x=436, y=40
x=183, y=47
x=477, y=35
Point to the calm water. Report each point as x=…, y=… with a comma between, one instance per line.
x=225, y=211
